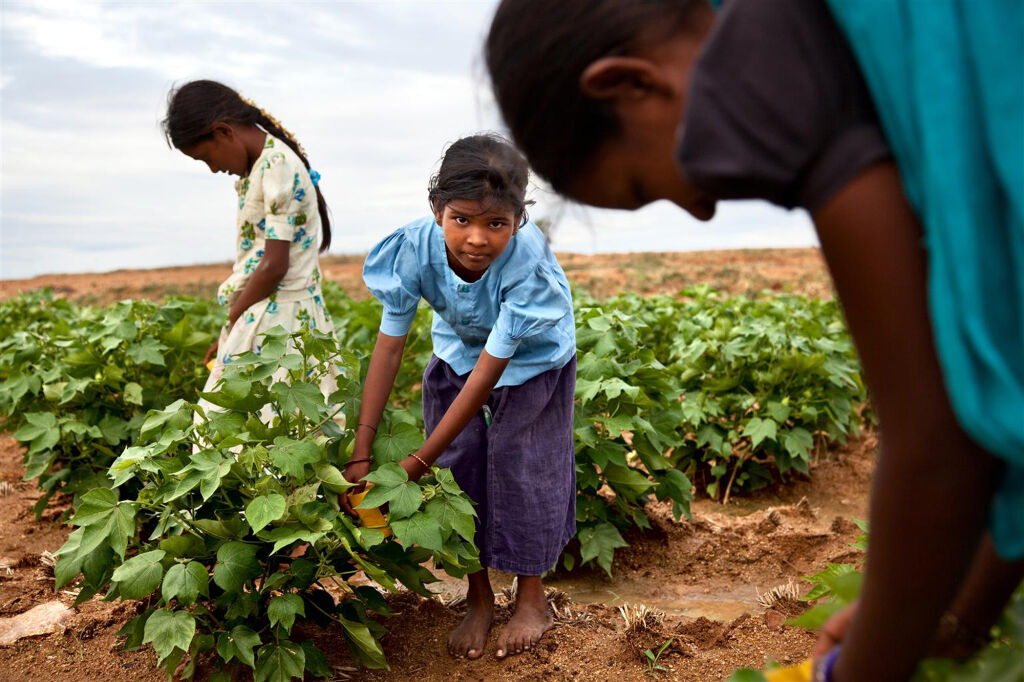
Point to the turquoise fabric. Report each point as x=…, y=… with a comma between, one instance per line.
x=946, y=78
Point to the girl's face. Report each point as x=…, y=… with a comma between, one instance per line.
x=475, y=234
x=224, y=151
x=636, y=169
x=648, y=91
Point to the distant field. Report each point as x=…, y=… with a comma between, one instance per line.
x=745, y=271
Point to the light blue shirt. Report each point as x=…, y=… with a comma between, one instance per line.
x=520, y=309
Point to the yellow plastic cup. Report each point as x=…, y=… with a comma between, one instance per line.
x=372, y=517
x=796, y=673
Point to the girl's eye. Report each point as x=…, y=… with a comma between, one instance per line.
x=461, y=221
x=497, y=225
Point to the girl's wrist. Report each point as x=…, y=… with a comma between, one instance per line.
x=423, y=462
x=823, y=671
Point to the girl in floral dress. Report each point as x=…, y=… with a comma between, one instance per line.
x=282, y=221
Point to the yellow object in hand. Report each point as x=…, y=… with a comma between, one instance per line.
x=796, y=673
x=372, y=517
x=210, y=364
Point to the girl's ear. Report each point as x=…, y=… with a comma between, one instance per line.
x=623, y=78
x=222, y=130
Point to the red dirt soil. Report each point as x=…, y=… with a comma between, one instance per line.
x=716, y=563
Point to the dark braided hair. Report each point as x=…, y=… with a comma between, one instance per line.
x=195, y=107
x=537, y=50
x=484, y=168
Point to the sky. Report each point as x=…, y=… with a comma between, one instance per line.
x=373, y=90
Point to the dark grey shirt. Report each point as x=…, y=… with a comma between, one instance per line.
x=777, y=107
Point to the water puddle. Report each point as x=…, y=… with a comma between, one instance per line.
x=675, y=600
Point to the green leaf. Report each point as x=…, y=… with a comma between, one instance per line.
x=747, y=675
x=236, y=563
x=280, y=662
x=316, y=661
x=759, y=429
x=798, y=442
x=419, y=529
x=285, y=535
x=387, y=476
x=363, y=644
x=331, y=477
x=95, y=506
x=263, y=510
x=185, y=582
x=600, y=542
x=147, y=351
x=394, y=442
x=140, y=576
x=238, y=394
x=404, y=498
x=778, y=411
x=292, y=456
x=133, y=393
x=239, y=643
x=169, y=630
x=304, y=397
x=624, y=478
x=453, y=513
x=175, y=417
x=283, y=609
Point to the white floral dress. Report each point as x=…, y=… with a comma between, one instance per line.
x=276, y=201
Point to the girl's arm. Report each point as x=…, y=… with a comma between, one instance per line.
x=932, y=486
x=467, y=403
x=265, y=278
x=380, y=379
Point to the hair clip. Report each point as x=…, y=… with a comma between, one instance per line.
x=315, y=177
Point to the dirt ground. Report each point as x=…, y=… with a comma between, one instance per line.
x=702, y=578
x=746, y=271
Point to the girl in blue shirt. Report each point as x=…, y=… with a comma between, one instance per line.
x=504, y=345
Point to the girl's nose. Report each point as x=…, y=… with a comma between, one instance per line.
x=477, y=236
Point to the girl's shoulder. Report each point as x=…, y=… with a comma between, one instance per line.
x=530, y=253
x=276, y=153
x=409, y=242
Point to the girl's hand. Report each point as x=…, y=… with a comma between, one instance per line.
x=834, y=630
x=354, y=472
x=211, y=352
x=414, y=467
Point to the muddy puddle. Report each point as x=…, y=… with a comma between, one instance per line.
x=674, y=599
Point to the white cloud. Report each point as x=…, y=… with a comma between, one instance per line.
x=374, y=91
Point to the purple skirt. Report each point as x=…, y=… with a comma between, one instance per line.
x=520, y=470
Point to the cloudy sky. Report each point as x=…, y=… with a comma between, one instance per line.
x=373, y=90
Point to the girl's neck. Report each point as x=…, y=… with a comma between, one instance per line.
x=464, y=273
x=253, y=139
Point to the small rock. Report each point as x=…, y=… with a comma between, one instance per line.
x=773, y=619
x=39, y=620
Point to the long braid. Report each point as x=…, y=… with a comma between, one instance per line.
x=274, y=127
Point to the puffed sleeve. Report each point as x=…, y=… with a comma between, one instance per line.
x=391, y=273
x=285, y=199
x=532, y=305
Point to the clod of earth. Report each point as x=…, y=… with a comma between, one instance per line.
x=39, y=620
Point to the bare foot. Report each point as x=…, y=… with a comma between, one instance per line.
x=468, y=640
x=530, y=621
x=470, y=637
